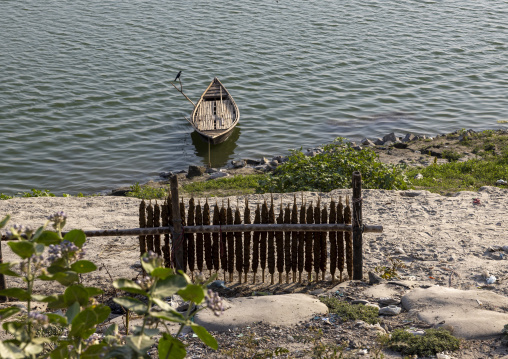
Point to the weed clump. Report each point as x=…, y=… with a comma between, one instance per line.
x=432, y=342
x=333, y=169
x=347, y=311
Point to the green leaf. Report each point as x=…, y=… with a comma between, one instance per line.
x=177, y=347
x=19, y=293
x=129, y=286
x=24, y=249
x=72, y=311
x=102, y=311
x=140, y=343
x=112, y=330
x=66, y=278
x=171, y=316
x=169, y=286
x=132, y=304
x=54, y=268
x=83, y=323
x=83, y=266
x=162, y=273
x=4, y=221
x=61, y=352
x=94, y=351
x=162, y=304
x=194, y=293
x=76, y=236
x=93, y=291
x=48, y=237
x=206, y=337
x=33, y=349
x=10, y=350
x=76, y=293
x=57, y=318
x=5, y=268
x=55, y=301
x=8, y=312
x=147, y=266
x=17, y=329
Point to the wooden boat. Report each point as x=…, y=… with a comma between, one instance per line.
x=216, y=114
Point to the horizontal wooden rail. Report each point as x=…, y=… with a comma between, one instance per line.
x=234, y=228
x=229, y=228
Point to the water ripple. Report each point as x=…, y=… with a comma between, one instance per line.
x=86, y=104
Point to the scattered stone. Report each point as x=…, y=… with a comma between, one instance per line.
x=274, y=163
x=388, y=143
x=418, y=176
x=367, y=142
x=263, y=168
x=216, y=284
x=399, y=250
x=388, y=301
x=390, y=138
x=239, y=164
x=374, y=278
x=252, y=162
x=379, y=142
x=195, y=171
x=359, y=301
x=165, y=175
x=317, y=291
x=218, y=175
x=500, y=181
x=390, y=310
x=211, y=170
x=357, y=148
x=409, y=137
x=460, y=309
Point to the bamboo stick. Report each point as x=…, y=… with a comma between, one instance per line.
x=262, y=243
x=340, y=239
x=279, y=237
x=246, y=241
x=157, y=223
x=207, y=238
x=199, y=239
x=349, y=242
x=324, y=249
x=317, y=239
x=308, y=244
x=333, y=240
x=149, y=223
x=238, y=247
x=255, y=244
x=142, y=224
x=271, y=243
x=287, y=243
x=294, y=241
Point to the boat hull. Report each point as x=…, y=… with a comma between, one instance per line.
x=216, y=114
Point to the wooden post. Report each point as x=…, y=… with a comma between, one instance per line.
x=357, y=226
x=177, y=225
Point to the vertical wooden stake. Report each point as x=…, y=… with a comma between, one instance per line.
x=177, y=225
x=357, y=226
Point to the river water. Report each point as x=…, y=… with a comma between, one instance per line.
x=86, y=102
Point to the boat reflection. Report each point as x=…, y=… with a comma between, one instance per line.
x=219, y=153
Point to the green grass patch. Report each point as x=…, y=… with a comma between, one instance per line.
x=148, y=192
x=347, y=311
x=461, y=176
x=227, y=186
x=432, y=342
x=331, y=169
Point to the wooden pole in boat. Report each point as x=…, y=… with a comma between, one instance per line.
x=181, y=91
x=209, y=155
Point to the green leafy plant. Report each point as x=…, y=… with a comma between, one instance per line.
x=38, y=193
x=49, y=256
x=347, y=311
x=432, y=342
x=333, y=169
x=451, y=156
x=147, y=192
x=392, y=271
x=228, y=186
x=5, y=196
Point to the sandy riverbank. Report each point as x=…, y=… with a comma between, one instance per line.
x=442, y=240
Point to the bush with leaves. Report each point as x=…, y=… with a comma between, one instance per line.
x=333, y=168
x=49, y=256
